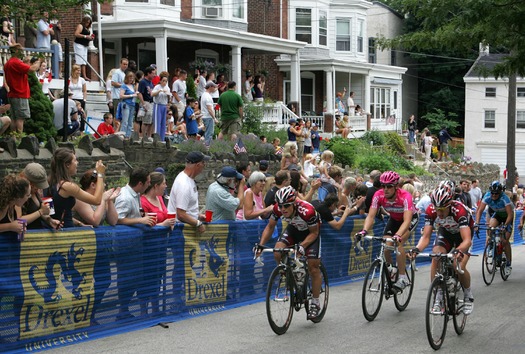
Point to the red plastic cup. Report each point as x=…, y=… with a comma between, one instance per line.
x=154, y=215
x=49, y=201
x=209, y=215
x=171, y=215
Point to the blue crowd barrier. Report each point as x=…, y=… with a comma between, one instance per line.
x=62, y=287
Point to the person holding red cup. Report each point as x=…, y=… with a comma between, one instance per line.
x=152, y=200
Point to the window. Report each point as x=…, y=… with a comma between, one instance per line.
x=490, y=120
x=520, y=120
x=238, y=8
x=490, y=92
x=380, y=106
x=137, y=0
x=343, y=35
x=303, y=25
x=521, y=92
x=360, y=34
x=323, y=31
x=167, y=2
x=393, y=57
x=372, y=50
x=307, y=93
x=212, y=8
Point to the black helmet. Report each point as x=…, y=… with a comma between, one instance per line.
x=496, y=187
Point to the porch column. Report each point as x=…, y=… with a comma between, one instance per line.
x=236, y=74
x=366, y=102
x=329, y=91
x=161, y=52
x=295, y=79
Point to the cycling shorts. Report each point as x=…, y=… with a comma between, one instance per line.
x=292, y=236
x=392, y=226
x=449, y=240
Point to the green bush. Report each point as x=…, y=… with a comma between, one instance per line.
x=41, y=122
x=255, y=146
x=191, y=90
x=344, y=150
x=395, y=142
x=375, y=162
x=221, y=146
x=377, y=137
x=252, y=122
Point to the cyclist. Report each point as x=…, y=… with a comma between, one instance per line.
x=500, y=212
x=454, y=224
x=403, y=219
x=303, y=229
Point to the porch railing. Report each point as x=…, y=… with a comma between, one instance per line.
x=49, y=55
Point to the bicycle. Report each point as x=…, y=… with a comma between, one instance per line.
x=445, y=298
x=494, y=255
x=290, y=287
x=379, y=281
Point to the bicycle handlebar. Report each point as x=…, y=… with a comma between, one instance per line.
x=380, y=239
x=449, y=256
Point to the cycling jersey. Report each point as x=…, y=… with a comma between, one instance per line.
x=458, y=218
x=497, y=207
x=298, y=227
x=396, y=208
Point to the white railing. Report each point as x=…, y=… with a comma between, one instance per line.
x=5, y=55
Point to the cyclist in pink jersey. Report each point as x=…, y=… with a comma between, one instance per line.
x=403, y=219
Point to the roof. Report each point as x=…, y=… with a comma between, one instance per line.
x=485, y=62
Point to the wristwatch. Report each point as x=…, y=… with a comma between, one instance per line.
x=100, y=175
x=199, y=223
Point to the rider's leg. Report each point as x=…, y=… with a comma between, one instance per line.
x=277, y=255
x=315, y=274
x=435, y=261
x=506, y=245
x=464, y=278
x=493, y=222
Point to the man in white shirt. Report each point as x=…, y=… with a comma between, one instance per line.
x=44, y=32
x=475, y=193
x=58, y=111
x=208, y=111
x=248, y=85
x=184, y=196
x=201, y=86
x=179, y=92
x=117, y=80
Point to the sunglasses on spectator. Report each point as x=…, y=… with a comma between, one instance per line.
x=387, y=186
x=285, y=206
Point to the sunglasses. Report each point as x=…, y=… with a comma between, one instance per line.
x=285, y=206
x=442, y=209
x=387, y=186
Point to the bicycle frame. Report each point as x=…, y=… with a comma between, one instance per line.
x=381, y=257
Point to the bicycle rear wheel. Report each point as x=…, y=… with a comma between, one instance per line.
x=458, y=317
x=401, y=299
x=436, y=318
x=503, y=266
x=279, y=301
x=373, y=288
x=323, y=296
x=488, y=266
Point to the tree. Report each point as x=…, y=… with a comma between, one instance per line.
x=26, y=9
x=41, y=122
x=462, y=26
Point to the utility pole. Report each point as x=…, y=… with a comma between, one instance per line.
x=511, y=134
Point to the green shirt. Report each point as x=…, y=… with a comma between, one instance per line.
x=230, y=101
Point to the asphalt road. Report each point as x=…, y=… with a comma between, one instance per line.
x=495, y=326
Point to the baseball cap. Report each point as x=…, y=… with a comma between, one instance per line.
x=230, y=172
x=314, y=125
x=36, y=174
x=292, y=121
x=210, y=84
x=161, y=170
x=196, y=157
x=264, y=163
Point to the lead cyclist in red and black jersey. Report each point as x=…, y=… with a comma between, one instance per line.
x=303, y=229
x=454, y=224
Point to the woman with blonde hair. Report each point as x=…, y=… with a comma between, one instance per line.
x=289, y=155
x=78, y=87
x=343, y=126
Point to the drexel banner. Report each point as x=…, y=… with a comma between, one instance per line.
x=62, y=287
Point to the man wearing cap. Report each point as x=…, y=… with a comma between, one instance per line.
x=219, y=197
x=293, y=131
x=316, y=138
x=208, y=111
x=231, y=112
x=184, y=196
x=58, y=110
x=15, y=75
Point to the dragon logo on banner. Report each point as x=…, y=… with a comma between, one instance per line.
x=56, y=270
x=206, y=265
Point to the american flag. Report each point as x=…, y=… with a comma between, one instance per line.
x=239, y=147
x=279, y=151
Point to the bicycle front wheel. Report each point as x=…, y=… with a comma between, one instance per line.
x=488, y=266
x=323, y=296
x=373, y=288
x=458, y=317
x=436, y=316
x=402, y=299
x=279, y=301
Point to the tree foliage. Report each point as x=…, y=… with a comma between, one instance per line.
x=26, y=9
x=41, y=122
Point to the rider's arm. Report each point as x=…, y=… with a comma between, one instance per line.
x=268, y=231
x=481, y=207
x=510, y=214
x=312, y=236
x=369, y=221
x=466, y=239
x=425, y=238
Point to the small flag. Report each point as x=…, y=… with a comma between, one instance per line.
x=279, y=151
x=239, y=147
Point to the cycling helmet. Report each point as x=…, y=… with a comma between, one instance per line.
x=496, y=187
x=389, y=177
x=448, y=183
x=285, y=195
x=442, y=196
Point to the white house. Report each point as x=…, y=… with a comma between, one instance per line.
x=486, y=110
